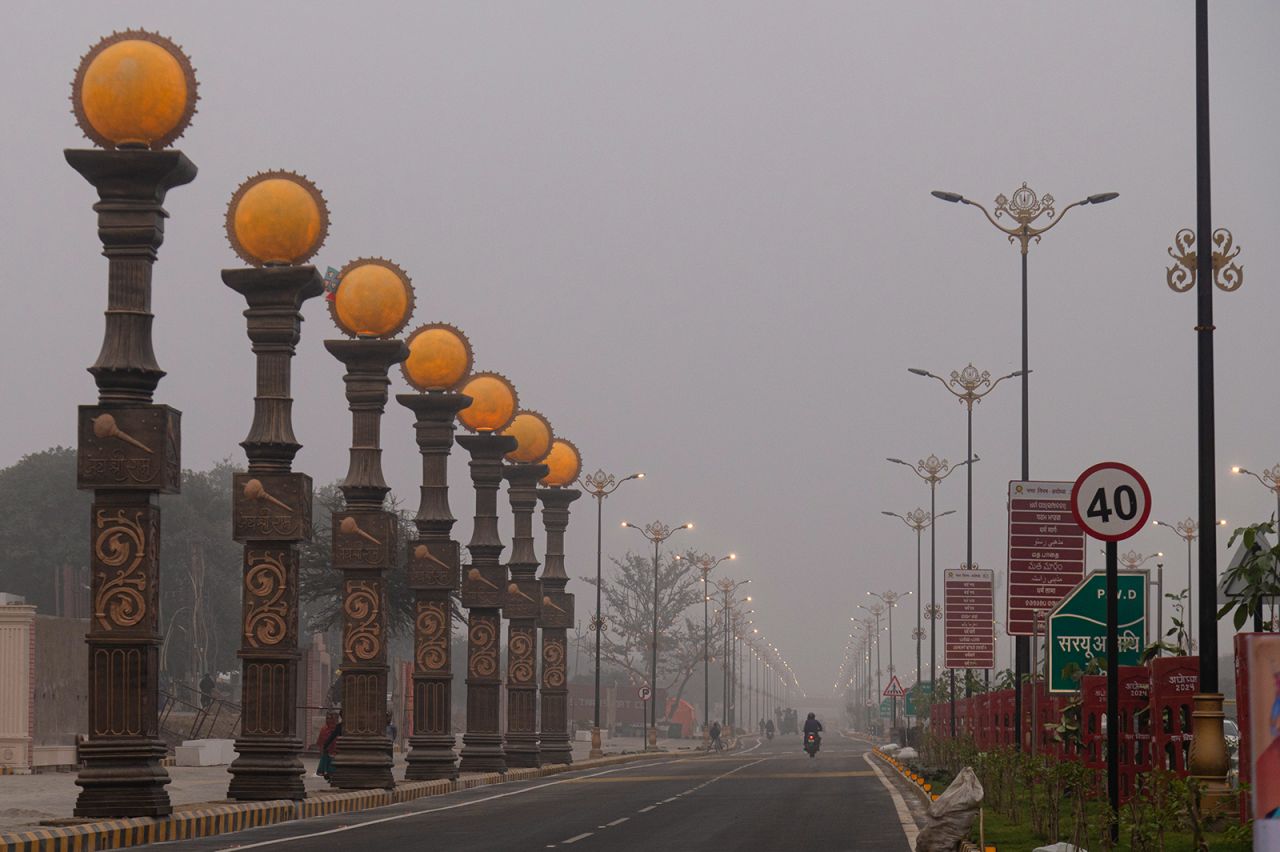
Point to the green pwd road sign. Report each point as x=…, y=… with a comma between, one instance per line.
x=1078, y=626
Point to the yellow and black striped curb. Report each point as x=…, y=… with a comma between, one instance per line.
x=923, y=787
x=208, y=820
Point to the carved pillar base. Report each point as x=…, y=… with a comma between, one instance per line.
x=267, y=769
x=555, y=696
x=521, y=743
x=1208, y=761
x=431, y=755
x=268, y=765
x=122, y=776
x=482, y=743
x=362, y=755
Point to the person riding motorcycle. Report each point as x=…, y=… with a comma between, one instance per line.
x=813, y=726
x=768, y=729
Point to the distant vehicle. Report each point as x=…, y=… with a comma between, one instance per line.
x=811, y=744
x=1231, y=732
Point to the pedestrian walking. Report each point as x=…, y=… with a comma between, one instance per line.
x=326, y=741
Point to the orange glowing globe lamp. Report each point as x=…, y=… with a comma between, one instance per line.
x=134, y=89
x=564, y=463
x=374, y=298
x=440, y=358
x=533, y=434
x=277, y=218
x=493, y=403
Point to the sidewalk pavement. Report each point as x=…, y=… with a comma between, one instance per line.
x=26, y=800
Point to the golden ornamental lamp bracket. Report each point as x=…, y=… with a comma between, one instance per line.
x=1181, y=276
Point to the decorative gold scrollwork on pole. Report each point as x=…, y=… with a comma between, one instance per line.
x=1227, y=274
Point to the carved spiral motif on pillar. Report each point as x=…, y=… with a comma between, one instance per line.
x=520, y=656
x=121, y=600
x=265, y=582
x=361, y=605
x=553, y=669
x=484, y=653
x=432, y=651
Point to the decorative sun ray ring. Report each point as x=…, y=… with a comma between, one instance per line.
x=494, y=402
x=380, y=309
x=153, y=81
x=564, y=463
x=440, y=358
x=534, y=434
x=278, y=213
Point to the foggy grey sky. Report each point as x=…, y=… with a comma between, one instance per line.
x=699, y=237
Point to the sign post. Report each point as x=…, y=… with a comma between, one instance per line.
x=1111, y=501
x=893, y=692
x=1078, y=626
x=969, y=605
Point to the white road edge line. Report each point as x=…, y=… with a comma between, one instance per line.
x=395, y=817
x=904, y=816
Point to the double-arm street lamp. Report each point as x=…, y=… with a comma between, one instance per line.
x=968, y=386
x=890, y=600
x=656, y=532
x=706, y=563
x=1022, y=212
x=1187, y=530
x=600, y=485
x=933, y=470
x=919, y=520
x=727, y=588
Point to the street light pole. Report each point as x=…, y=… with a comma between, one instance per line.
x=600, y=485
x=1024, y=209
x=933, y=470
x=656, y=532
x=706, y=564
x=1188, y=531
x=919, y=520
x=966, y=386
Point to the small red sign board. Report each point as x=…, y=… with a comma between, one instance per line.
x=969, y=596
x=894, y=689
x=1046, y=551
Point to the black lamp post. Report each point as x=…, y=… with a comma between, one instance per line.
x=600, y=485
x=1024, y=208
x=656, y=532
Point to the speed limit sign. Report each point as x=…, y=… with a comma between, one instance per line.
x=1111, y=501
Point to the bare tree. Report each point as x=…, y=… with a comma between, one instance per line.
x=628, y=638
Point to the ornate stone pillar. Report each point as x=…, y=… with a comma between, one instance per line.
x=433, y=564
x=522, y=604
x=271, y=514
x=482, y=593
x=128, y=454
x=555, y=620
x=364, y=548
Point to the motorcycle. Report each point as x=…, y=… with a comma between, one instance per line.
x=811, y=744
x=768, y=733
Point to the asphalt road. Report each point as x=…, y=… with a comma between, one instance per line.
x=770, y=796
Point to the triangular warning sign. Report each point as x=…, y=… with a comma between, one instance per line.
x=894, y=689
